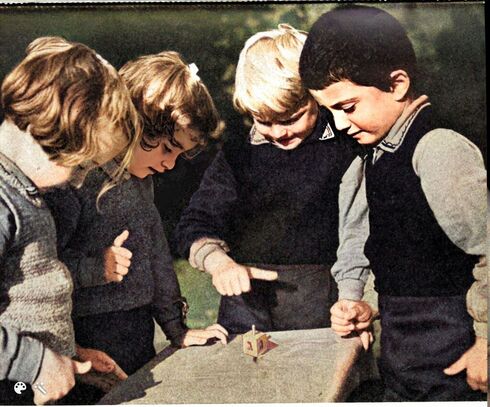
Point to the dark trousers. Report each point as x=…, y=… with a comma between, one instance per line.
x=126, y=336
x=300, y=299
x=420, y=337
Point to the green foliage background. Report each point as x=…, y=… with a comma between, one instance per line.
x=449, y=40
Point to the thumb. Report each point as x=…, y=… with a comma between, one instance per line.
x=118, y=241
x=121, y=374
x=366, y=339
x=457, y=366
x=81, y=367
x=260, y=274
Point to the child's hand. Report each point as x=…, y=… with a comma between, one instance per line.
x=347, y=316
x=101, y=361
x=231, y=278
x=201, y=336
x=57, y=376
x=117, y=259
x=474, y=360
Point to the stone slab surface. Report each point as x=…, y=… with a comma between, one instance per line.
x=306, y=366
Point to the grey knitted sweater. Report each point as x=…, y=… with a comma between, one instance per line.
x=35, y=287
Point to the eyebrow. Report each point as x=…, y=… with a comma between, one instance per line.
x=300, y=112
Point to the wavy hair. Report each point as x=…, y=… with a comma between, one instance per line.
x=167, y=93
x=72, y=102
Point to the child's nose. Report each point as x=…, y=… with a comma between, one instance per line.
x=341, y=121
x=169, y=162
x=277, y=131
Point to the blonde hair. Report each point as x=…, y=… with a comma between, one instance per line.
x=167, y=92
x=62, y=93
x=267, y=81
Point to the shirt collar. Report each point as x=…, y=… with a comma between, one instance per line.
x=397, y=134
x=322, y=131
x=13, y=140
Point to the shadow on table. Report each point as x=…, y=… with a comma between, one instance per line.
x=143, y=379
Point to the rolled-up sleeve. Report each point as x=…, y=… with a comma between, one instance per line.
x=351, y=270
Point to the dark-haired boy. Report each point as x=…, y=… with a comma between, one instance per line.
x=415, y=204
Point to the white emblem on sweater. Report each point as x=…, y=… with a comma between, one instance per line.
x=327, y=133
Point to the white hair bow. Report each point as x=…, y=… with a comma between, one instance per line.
x=194, y=70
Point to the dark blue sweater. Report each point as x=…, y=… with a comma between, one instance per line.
x=272, y=206
x=409, y=252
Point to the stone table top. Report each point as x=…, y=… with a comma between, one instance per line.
x=307, y=366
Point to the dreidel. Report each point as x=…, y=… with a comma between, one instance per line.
x=255, y=343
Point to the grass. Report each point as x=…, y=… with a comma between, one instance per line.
x=201, y=296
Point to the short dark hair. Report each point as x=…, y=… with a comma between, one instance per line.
x=356, y=43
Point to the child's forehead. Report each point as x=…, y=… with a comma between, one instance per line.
x=339, y=92
x=270, y=115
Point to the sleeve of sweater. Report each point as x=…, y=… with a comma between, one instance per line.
x=65, y=206
x=209, y=211
x=351, y=270
x=168, y=303
x=20, y=355
x=453, y=178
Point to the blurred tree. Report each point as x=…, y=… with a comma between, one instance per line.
x=448, y=38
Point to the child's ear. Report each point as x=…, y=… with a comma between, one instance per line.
x=400, y=84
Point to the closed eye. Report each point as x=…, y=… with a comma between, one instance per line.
x=288, y=122
x=349, y=108
x=166, y=147
x=263, y=123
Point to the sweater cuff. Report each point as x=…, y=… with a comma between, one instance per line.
x=27, y=365
x=92, y=272
x=175, y=332
x=202, y=248
x=480, y=329
x=350, y=289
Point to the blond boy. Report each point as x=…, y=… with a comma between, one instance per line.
x=264, y=220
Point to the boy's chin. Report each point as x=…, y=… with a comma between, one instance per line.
x=139, y=172
x=369, y=140
x=291, y=145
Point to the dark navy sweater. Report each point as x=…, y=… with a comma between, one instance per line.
x=272, y=206
x=409, y=252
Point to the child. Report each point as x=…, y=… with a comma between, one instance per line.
x=417, y=201
x=269, y=201
x=115, y=246
x=65, y=110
